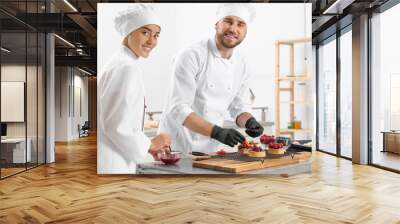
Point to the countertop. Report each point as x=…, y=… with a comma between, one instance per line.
x=184, y=166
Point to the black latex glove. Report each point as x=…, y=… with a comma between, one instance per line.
x=227, y=136
x=253, y=128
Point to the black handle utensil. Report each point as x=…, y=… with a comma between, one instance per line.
x=199, y=154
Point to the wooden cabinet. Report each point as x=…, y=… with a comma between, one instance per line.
x=391, y=142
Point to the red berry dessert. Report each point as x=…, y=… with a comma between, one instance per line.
x=276, y=148
x=221, y=152
x=266, y=139
x=244, y=147
x=256, y=151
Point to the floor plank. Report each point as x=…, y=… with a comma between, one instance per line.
x=70, y=191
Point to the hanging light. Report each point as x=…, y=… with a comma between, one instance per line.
x=5, y=50
x=64, y=40
x=85, y=72
x=70, y=5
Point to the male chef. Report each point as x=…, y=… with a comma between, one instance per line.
x=209, y=80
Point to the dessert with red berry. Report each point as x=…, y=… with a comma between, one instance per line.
x=220, y=152
x=266, y=139
x=245, y=147
x=275, y=148
x=256, y=151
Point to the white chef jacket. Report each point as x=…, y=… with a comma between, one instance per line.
x=209, y=85
x=121, y=141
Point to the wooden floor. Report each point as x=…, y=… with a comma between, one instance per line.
x=70, y=191
x=5, y=172
x=387, y=159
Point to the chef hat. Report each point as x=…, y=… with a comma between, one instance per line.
x=242, y=10
x=135, y=17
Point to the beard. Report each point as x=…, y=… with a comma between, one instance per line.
x=226, y=43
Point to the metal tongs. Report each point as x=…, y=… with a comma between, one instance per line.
x=200, y=156
x=170, y=150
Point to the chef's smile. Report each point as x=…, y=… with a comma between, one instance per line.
x=231, y=31
x=143, y=40
x=147, y=48
x=230, y=36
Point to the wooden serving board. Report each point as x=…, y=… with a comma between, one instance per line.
x=236, y=166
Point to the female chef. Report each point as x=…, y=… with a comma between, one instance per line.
x=121, y=141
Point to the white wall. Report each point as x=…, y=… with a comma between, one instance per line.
x=15, y=72
x=33, y=126
x=68, y=80
x=80, y=82
x=184, y=24
x=61, y=103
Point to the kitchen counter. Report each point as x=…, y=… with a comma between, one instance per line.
x=184, y=166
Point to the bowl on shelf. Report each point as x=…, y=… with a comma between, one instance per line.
x=170, y=158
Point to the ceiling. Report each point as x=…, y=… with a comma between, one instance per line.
x=75, y=21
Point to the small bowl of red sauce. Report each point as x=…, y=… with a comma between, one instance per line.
x=170, y=158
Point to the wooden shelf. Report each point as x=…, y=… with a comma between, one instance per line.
x=294, y=78
x=294, y=41
x=286, y=83
x=285, y=89
x=294, y=130
x=294, y=102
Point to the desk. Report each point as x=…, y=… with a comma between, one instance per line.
x=391, y=141
x=13, y=150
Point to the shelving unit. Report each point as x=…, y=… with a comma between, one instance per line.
x=291, y=78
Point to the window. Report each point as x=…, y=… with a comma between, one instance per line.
x=327, y=97
x=385, y=89
x=23, y=88
x=346, y=94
